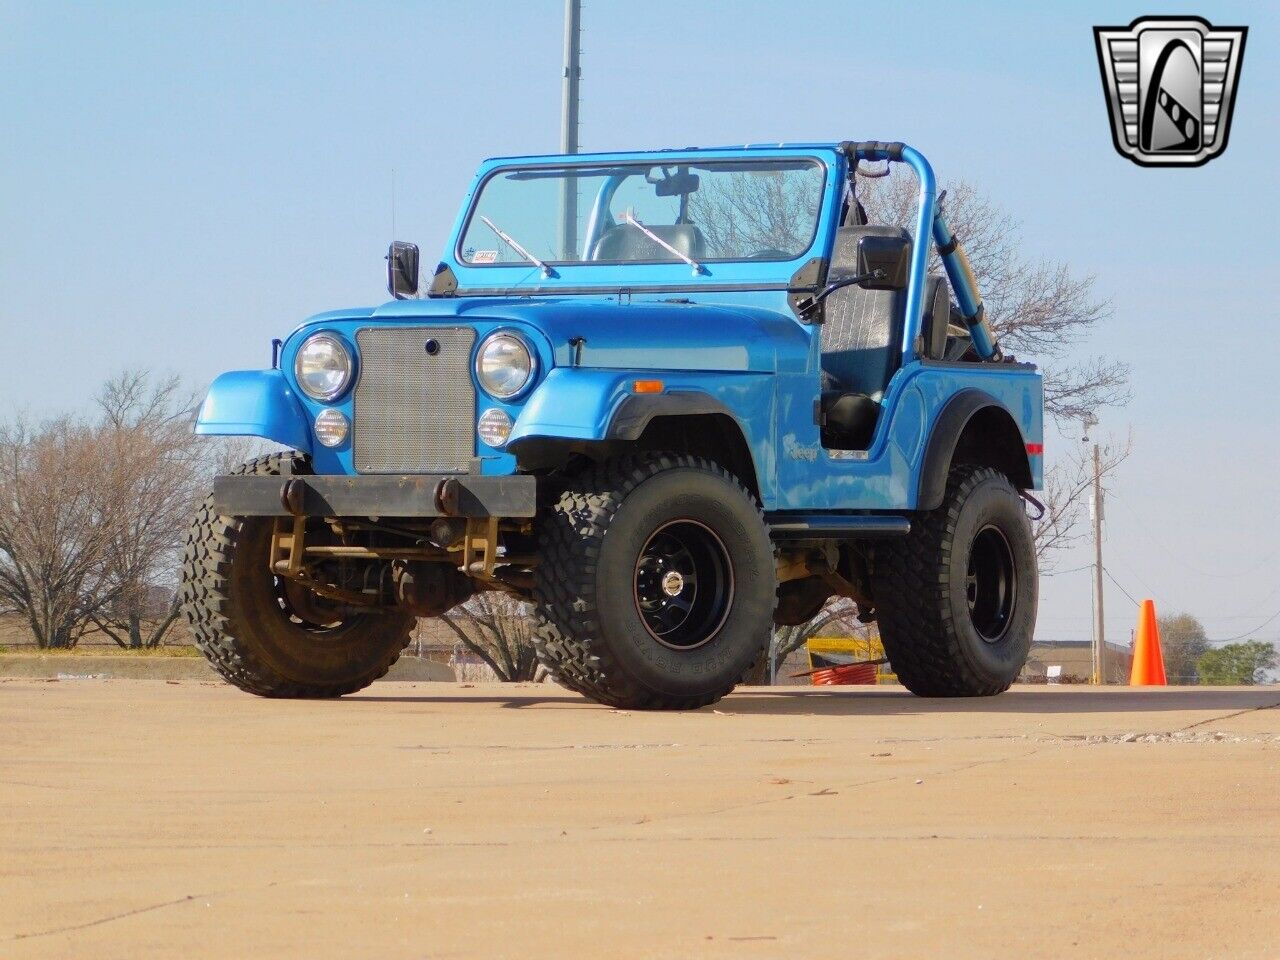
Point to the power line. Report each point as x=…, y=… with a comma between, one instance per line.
x=1122, y=589
x=1249, y=633
x=1144, y=530
x=1058, y=573
x=1137, y=576
x=1242, y=636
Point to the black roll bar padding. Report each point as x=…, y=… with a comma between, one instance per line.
x=857, y=150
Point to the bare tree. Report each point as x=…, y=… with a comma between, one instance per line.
x=744, y=213
x=59, y=510
x=497, y=628
x=1036, y=308
x=1067, y=487
x=1039, y=309
x=146, y=429
x=92, y=513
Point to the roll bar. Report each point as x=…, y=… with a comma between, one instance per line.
x=930, y=222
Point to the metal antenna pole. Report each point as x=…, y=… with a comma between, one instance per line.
x=1099, y=636
x=569, y=122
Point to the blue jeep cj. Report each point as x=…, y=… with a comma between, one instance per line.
x=672, y=398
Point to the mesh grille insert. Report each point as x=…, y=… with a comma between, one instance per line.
x=414, y=411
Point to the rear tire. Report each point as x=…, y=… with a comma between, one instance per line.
x=264, y=636
x=655, y=585
x=956, y=598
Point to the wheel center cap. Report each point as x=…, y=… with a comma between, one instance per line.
x=672, y=583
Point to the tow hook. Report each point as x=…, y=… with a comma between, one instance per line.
x=448, y=495
x=293, y=496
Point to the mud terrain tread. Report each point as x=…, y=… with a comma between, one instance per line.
x=204, y=593
x=909, y=582
x=566, y=638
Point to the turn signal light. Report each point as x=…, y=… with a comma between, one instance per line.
x=647, y=386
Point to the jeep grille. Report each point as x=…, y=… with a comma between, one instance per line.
x=414, y=410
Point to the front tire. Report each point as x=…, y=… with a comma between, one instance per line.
x=956, y=598
x=655, y=583
x=264, y=635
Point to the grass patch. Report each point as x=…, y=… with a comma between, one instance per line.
x=97, y=651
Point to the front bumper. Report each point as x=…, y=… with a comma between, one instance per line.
x=417, y=495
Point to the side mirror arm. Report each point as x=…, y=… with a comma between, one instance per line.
x=816, y=300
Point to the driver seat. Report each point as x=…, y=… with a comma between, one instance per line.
x=625, y=242
x=861, y=342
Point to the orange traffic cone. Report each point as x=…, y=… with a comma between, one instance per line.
x=1148, y=660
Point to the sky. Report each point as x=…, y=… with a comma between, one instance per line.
x=181, y=182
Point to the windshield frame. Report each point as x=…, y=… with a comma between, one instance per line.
x=646, y=271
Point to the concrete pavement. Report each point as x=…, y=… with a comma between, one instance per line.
x=150, y=819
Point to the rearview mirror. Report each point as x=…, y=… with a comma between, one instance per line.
x=884, y=262
x=677, y=185
x=402, y=270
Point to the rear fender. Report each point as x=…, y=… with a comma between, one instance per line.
x=977, y=427
x=254, y=403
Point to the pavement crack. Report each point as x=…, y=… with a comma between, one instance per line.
x=101, y=920
x=1231, y=716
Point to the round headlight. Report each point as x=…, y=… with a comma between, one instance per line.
x=323, y=367
x=504, y=365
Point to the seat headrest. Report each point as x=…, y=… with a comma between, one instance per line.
x=625, y=242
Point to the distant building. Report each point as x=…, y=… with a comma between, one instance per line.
x=1074, y=660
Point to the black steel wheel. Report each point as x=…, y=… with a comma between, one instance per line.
x=991, y=584
x=683, y=584
x=956, y=598
x=655, y=583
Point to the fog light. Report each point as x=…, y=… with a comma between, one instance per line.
x=331, y=427
x=494, y=427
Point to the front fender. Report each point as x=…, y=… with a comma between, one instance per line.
x=254, y=403
x=572, y=404
x=592, y=405
x=577, y=404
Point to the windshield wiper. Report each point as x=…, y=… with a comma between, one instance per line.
x=511, y=242
x=629, y=217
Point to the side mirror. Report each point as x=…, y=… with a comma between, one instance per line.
x=884, y=261
x=402, y=270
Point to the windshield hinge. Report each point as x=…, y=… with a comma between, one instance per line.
x=444, y=283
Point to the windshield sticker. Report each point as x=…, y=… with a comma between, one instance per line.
x=485, y=256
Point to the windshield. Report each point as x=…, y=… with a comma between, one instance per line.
x=699, y=212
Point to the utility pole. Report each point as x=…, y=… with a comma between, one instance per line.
x=569, y=123
x=1099, y=636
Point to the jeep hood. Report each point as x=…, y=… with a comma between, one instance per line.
x=647, y=335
